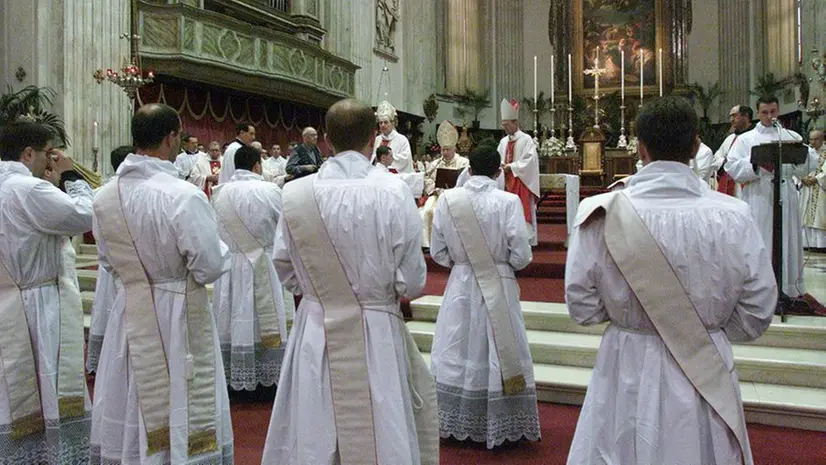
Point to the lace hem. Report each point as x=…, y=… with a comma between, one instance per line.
x=93, y=346
x=63, y=442
x=225, y=457
x=488, y=417
x=247, y=367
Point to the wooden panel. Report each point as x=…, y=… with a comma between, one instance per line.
x=618, y=162
x=561, y=165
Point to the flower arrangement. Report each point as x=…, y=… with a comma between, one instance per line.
x=432, y=147
x=632, y=146
x=552, y=147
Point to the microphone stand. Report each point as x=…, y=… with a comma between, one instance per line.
x=777, y=236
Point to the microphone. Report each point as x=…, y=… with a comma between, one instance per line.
x=775, y=122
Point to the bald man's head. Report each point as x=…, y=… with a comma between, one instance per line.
x=156, y=125
x=351, y=125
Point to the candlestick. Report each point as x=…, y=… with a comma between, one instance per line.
x=96, y=160
x=622, y=76
x=534, y=81
x=570, y=94
x=660, y=69
x=552, y=80
x=642, y=74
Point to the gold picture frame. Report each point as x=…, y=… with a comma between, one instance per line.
x=610, y=35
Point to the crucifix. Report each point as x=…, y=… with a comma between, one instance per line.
x=596, y=71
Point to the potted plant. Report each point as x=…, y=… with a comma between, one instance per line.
x=472, y=103
x=706, y=98
x=32, y=101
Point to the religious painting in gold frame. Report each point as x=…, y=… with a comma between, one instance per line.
x=612, y=25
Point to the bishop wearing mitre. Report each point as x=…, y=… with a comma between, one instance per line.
x=447, y=136
x=520, y=164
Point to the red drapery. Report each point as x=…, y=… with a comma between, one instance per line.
x=211, y=114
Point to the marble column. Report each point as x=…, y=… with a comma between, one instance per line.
x=91, y=41
x=735, y=42
x=418, y=60
x=508, y=61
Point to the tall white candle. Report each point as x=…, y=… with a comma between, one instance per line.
x=660, y=68
x=642, y=73
x=596, y=74
x=622, y=76
x=552, y=80
x=570, y=94
x=534, y=82
x=95, y=141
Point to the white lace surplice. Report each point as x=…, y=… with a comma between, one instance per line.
x=373, y=224
x=464, y=360
x=640, y=408
x=175, y=231
x=35, y=217
x=246, y=364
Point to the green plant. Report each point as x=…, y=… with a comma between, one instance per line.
x=472, y=103
x=32, y=101
x=430, y=107
x=705, y=97
x=767, y=86
x=543, y=106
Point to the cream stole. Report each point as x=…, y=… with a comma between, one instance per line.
x=346, y=345
x=146, y=350
x=661, y=294
x=487, y=275
x=244, y=241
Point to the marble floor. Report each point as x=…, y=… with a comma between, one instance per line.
x=814, y=275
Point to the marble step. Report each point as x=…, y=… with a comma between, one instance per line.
x=760, y=364
x=768, y=404
x=87, y=249
x=799, y=332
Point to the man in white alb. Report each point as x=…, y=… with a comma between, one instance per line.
x=384, y=158
x=160, y=392
x=352, y=372
x=758, y=191
x=244, y=135
x=520, y=163
x=813, y=197
x=664, y=389
x=387, y=118
x=207, y=169
x=185, y=160
x=247, y=302
x=44, y=405
x=480, y=356
x=740, y=118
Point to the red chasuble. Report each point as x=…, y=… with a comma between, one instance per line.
x=515, y=185
x=726, y=184
x=385, y=142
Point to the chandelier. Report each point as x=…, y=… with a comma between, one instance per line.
x=130, y=77
x=813, y=110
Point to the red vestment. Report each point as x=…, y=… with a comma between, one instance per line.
x=515, y=185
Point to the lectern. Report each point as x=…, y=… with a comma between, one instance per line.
x=779, y=154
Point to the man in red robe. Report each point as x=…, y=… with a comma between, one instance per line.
x=520, y=164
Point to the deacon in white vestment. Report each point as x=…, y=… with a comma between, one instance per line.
x=702, y=163
x=185, y=160
x=248, y=209
x=381, y=256
x=105, y=288
x=176, y=238
x=640, y=408
x=521, y=164
x=387, y=118
x=447, y=136
x=275, y=167
x=758, y=192
x=464, y=357
x=244, y=135
x=813, y=197
x=42, y=421
x=740, y=118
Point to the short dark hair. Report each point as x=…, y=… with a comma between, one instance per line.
x=668, y=128
x=766, y=99
x=119, y=154
x=186, y=137
x=21, y=134
x=152, y=123
x=246, y=157
x=350, y=125
x=485, y=160
x=382, y=151
x=242, y=127
x=746, y=110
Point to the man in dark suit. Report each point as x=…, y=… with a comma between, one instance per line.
x=305, y=158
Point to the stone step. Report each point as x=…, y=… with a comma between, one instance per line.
x=768, y=404
x=88, y=249
x=799, y=332
x=760, y=364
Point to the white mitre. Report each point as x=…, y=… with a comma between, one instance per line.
x=447, y=135
x=385, y=112
x=509, y=110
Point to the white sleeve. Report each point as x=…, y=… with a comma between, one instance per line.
x=738, y=165
x=582, y=274
x=438, y=245
x=519, y=246
x=52, y=211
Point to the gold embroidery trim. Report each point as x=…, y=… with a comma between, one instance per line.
x=202, y=441
x=157, y=440
x=514, y=385
x=27, y=425
x=71, y=406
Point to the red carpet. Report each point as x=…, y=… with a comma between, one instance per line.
x=770, y=445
